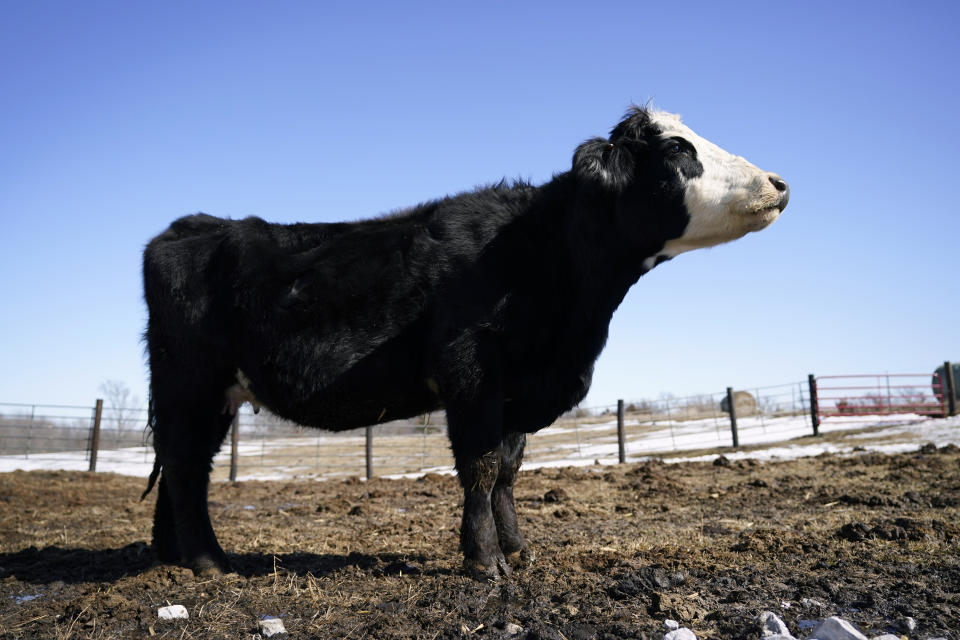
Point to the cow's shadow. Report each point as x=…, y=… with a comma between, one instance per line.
x=56, y=564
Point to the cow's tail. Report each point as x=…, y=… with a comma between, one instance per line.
x=156, y=460
x=153, y=477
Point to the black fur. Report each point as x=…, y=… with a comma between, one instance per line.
x=493, y=304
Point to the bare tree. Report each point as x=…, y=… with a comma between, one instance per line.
x=122, y=405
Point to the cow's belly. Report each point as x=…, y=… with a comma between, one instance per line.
x=346, y=405
x=334, y=393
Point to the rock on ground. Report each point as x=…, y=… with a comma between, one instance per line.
x=834, y=628
x=271, y=627
x=173, y=612
x=772, y=627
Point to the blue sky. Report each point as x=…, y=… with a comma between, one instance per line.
x=119, y=117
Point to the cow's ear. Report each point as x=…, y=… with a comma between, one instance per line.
x=604, y=162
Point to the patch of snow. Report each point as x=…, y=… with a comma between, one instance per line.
x=783, y=438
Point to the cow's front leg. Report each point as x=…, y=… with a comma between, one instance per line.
x=512, y=544
x=478, y=531
x=475, y=427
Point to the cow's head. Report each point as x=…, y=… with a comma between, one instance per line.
x=676, y=191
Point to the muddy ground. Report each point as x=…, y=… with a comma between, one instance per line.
x=872, y=538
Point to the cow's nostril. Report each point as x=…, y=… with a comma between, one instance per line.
x=778, y=183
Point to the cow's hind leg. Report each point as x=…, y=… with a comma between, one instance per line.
x=185, y=439
x=512, y=544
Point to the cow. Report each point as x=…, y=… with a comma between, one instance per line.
x=492, y=304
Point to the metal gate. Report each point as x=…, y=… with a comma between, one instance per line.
x=885, y=394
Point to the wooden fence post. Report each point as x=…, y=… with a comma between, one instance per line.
x=234, y=446
x=95, y=436
x=814, y=404
x=369, y=437
x=621, y=436
x=948, y=386
x=33, y=417
x=733, y=417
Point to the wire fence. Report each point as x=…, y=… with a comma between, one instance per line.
x=265, y=447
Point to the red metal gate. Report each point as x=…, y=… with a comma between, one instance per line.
x=882, y=394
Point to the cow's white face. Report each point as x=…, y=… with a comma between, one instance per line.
x=728, y=199
x=676, y=191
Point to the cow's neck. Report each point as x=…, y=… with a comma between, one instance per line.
x=599, y=265
x=605, y=262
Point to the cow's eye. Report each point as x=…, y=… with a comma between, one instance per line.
x=676, y=147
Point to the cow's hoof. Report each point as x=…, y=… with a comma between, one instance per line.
x=496, y=568
x=521, y=558
x=206, y=566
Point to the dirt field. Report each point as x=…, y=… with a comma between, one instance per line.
x=872, y=538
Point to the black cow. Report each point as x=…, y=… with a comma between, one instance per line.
x=492, y=304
